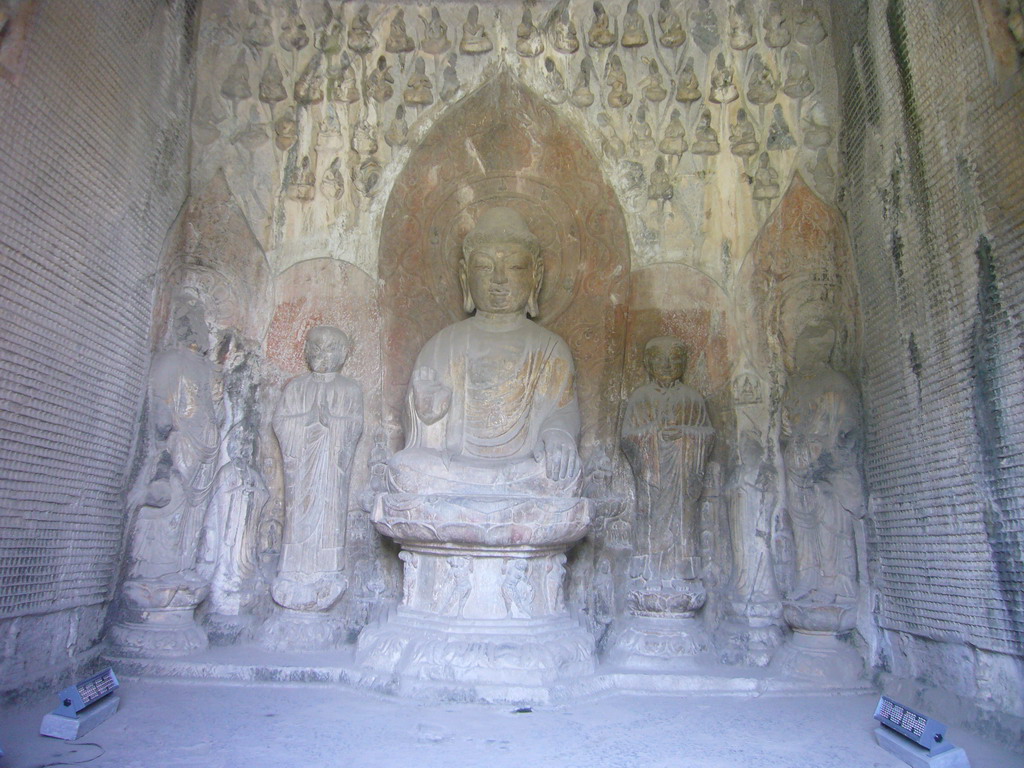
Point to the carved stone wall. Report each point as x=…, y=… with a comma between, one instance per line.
x=935, y=194
x=94, y=110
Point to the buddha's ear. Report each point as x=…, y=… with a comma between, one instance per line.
x=533, y=305
x=467, y=297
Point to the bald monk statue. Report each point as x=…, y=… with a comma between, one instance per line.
x=491, y=409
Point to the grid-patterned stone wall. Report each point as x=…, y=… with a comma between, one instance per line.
x=93, y=144
x=933, y=159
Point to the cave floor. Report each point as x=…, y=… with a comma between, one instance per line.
x=223, y=724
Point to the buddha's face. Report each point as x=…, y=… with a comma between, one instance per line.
x=666, y=362
x=500, y=277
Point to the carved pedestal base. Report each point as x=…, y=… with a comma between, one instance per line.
x=226, y=629
x=820, y=657
x=483, y=600
x=288, y=630
x=748, y=642
x=490, y=655
x=158, y=618
x=658, y=643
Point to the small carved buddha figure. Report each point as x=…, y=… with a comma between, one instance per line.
x=776, y=33
x=762, y=88
x=360, y=32
x=742, y=138
x=613, y=147
x=286, y=131
x=615, y=77
x=705, y=27
x=705, y=137
x=528, y=38
x=779, y=135
x=380, y=83
x=301, y=184
x=634, y=33
x=688, y=90
x=329, y=39
x=798, y=83
x=364, y=137
x=741, y=27
x=674, y=140
x=435, y=39
x=333, y=182
x=450, y=79
x=341, y=86
x=766, y=180
x=419, y=91
x=259, y=33
x=652, y=85
x=823, y=176
x=309, y=88
x=809, y=29
x=272, y=88
x=566, y=39
x=582, y=96
x=398, y=40
x=474, y=36
x=641, y=137
x=723, y=89
x=555, y=92
x=600, y=34
x=660, y=186
x=672, y=33
x=397, y=134
x=366, y=176
x=294, y=36
x=491, y=408
x=236, y=85
x=330, y=124
x=817, y=131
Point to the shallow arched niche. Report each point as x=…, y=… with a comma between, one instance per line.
x=503, y=145
x=798, y=272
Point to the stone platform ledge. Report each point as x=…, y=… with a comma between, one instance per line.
x=250, y=664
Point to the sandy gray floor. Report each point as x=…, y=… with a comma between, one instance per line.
x=219, y=725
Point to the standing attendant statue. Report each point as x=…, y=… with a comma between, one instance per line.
x=318, y=423
x=169, y=572
x=667, y=438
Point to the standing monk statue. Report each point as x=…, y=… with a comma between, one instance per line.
x=318, y=424
x=667, y=438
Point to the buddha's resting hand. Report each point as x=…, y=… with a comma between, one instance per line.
x=558, y=452
x=430, y=398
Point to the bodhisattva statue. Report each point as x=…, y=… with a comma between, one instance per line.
x=485, y=492
x=318, y=423
x=667, y=438
x=168, y=574
x=491, y=409
x=821, y=434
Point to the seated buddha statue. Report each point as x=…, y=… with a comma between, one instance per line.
x=491, y=409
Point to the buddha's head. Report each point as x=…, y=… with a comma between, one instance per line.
x=665, y=360
x=501, y=269
x=327, y=349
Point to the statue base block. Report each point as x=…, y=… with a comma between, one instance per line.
x=158, y=632
x=499, y=658
x=748, y=642
x=658, y=643
x=288, y=630
x=819, y=657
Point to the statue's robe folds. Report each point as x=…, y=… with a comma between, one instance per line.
x=318, y=424
x=667, y=438
x=821, y=435
x=508, y=388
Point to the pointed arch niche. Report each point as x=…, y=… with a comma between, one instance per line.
x=503, y=145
